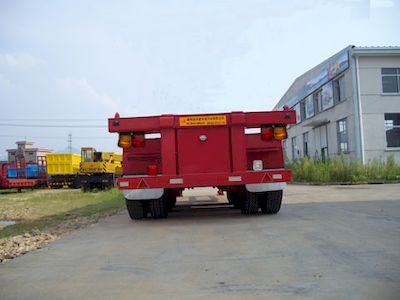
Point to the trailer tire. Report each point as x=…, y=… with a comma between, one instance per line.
x=135, y=209
x=146, y=207
x=85, y=188
x=171, y=202
x=271, y=202
x=233, y=198
x=75, y=185
x=249, y=204
x=158, y=208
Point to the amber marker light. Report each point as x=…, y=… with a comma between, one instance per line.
x=280, y=133
x=125, y=140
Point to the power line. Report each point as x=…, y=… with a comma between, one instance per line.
x=70, y=142
x=53, y=120
x=53, y=126
x=55, y=137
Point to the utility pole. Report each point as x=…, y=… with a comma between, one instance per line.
x=70, y=143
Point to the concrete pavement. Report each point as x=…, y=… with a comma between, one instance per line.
x=328, y=242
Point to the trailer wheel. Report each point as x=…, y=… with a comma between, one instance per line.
x=146, y=207
x=271, y=202
x=233, y=198
x=75, y=185
x=249, y=204
x=158, y=208
x=170, y=200
x=135, y=209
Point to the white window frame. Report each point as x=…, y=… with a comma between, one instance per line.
x=342, y=133
x=392, y=126
x=396, y=75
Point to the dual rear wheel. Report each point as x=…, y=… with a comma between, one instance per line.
x=267, y=202
x=158, y=208
x=139, y=209
x=248, y=202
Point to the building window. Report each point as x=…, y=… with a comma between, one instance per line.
x=294, y=148
x=303, y=110
x=342, y=136
x=392, y=128
x=309, y=107
x=317, y=98
x=390, y=80
x=327, y=95
x=338, y=89
x=305, y=144
x=298, y=113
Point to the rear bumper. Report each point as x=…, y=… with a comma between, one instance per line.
x=132, y=182
x=156, y=193
x=265, y=187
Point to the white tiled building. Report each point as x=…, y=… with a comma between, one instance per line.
x=349, y=104
x=26, y=149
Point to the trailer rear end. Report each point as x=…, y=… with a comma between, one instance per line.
x=240, y=153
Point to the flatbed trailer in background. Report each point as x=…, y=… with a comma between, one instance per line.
x=22, y=179
x=203, y=150
x=20, y=183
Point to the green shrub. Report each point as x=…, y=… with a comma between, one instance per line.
x=344, y=169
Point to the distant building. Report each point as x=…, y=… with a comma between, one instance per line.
x=349, y=104
x=26, y=149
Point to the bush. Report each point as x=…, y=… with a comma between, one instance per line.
x=344, y=169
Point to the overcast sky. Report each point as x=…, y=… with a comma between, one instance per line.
x=78, y=62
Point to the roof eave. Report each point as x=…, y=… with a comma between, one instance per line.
x=375, y=51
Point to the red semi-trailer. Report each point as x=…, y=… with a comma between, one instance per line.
x=21, y=181
x=162, y=155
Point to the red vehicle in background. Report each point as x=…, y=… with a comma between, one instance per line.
x=199, y=151
x=27, y=175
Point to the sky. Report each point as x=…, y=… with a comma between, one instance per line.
x=75, y=63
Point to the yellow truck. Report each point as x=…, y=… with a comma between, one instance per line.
x=63, y=170
x=99, y=169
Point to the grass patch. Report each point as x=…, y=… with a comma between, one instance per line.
x=344, y=170
x=45, y=209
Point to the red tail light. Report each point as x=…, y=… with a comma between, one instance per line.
x=267, y=133
x=138, y=140
x=152, y=170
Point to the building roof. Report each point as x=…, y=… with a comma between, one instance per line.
x=29, y=149
x=32, y=150
x=44, y=150
x=23, y=142
x=311, y=80
x=366, y=51
x=304, y=85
